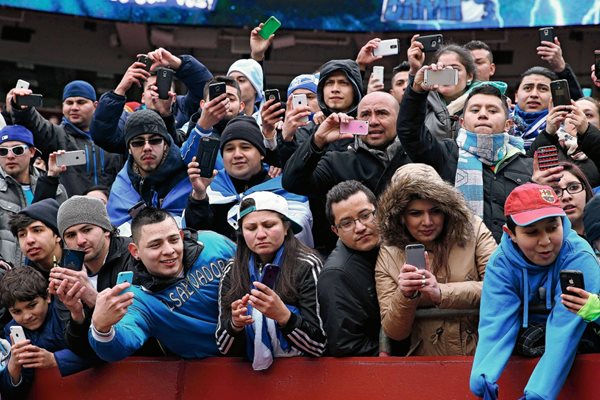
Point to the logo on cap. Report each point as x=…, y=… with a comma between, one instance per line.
x=547, y=195
x=4, y=137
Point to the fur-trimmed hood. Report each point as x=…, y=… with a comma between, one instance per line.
x=419, y=181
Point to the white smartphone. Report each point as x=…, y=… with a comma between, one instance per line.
x=17, y=334
x=387, y=47
x=69, y=158
x=444, y=77
x=299, y=100
x=378, y=73
x=21, y=84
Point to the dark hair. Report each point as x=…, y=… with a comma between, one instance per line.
x=404, y=66
x=479, y=45
x=537, y=70
x=100, y=188
x=578, y=173
x=342, y=191
x=19, y=221
x=22, y=284
x=510, y=224
x=147, y=216
x=489, y=90
x=222, y=79
x=464, y=56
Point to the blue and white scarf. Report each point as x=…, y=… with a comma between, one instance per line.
x=475, y=150
x=528, y=125
x=265, y=340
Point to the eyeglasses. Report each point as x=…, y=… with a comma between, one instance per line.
x=16, y=150
x=572, y=188
x=142, y=142
x=364, y=217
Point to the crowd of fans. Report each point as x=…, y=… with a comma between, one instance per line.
x=297, y=243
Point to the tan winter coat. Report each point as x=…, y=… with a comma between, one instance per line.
x=472, y=246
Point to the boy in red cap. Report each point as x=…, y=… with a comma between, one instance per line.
x=537, y=244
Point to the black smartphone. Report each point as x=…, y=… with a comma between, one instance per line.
x=164, y=79
x=560, y=93
x=207, y=155
x=415, y=255
x=272, y=94
x=31, y=100
x=216, y=89
x=72, y=259
x=547, y=34
x=270, y=275
x=431, y=42
x=571, y=278
x=146, y=60
x=597, y=63
x=547, y=157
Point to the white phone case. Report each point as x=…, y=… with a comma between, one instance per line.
x=21, y=84
x=299, y=100
x=378, y=73
x=386, y=48
x=17, y=334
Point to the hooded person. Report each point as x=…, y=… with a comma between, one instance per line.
x=155, y=173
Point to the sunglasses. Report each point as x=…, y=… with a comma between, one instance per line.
x=141, y=143
x=16, y=150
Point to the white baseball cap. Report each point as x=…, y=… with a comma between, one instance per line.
x=266, y=201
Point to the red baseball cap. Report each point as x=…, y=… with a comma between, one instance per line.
x=531, y=202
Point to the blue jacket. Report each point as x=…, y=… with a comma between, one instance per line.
x=180, y=313
x=50, y=336
x=511, y=282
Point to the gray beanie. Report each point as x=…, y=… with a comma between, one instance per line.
x=82, y=210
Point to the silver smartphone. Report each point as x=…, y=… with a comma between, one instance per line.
x=21, y=84
x=415, y=255
x=70, y=158
x=378, y=73
x=387, y=47
x=444, y=77
x=299, y=100
x=17, y=334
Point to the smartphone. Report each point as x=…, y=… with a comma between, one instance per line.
x=431, y=42
x=216, y=89
x=597, y=63
x=547, y=34
x=560, y=93
x=207, y=155
x=146, y=60
x=387, y=47
x=571, y=278
x=547, y=157
x=75, y=157
x=125, y=276
x=164, y=79
x=355, y=127
x=21, y=84
x=299, y=100
x=17, y=334
x=415, y=255
x=269, y=27
x=31, y=100
x=378, y=73
x=270, y=275
x=444, y=77
x=273, y=94
x=72, y=259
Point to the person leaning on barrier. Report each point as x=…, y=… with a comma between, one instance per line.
x=419, y=207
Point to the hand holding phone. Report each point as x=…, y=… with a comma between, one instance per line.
x=208, y=149
x=442, y=77
x=273, y=94
x=21, y=84
x=270, y=275
x=386, y=48
x=431, y=42
x=546, y=34
x=300, y=100
x=164, y=80
x=17, y=334
x=547, y=157
x=355, y=127
x=72, y=259
x=30, y=100
x=125, y=276
x=70, y=158
x=269, y=28
x=146, y=61
x=378, y=73
x=560, y=93
x=216, y=89
x=572, y=278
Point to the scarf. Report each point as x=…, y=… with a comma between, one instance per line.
x=528, y=125
x=475, y=150
x=265, y=340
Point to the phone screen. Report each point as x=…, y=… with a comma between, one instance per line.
x=415, y=255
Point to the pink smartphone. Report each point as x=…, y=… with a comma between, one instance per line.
x=355, y=127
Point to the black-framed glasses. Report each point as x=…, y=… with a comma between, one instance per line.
x=572, y=188
x=137, y=143
x=364, y=217
x=18, y=150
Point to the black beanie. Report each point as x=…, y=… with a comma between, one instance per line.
x=145, y=122
x=245, y=128
x=44, y=211
x=591, y=219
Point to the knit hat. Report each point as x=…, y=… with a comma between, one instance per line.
x=245, y=128
x=17, y=133
x=304, y=81
x=591, y=219
x=145, y=122
x=530, y=203
x=82, y=210
x=44, y=211
x=266, y=201
x=253, y=71
x=79, y=89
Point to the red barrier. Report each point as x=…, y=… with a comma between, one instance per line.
x=298, y=378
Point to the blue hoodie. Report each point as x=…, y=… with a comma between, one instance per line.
x=509, y=280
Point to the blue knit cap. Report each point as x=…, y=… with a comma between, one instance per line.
x=79, y=89
x=304, y=81
x=253, y=71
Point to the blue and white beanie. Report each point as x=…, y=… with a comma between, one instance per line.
x=304, y=81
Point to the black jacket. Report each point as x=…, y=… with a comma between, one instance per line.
x=442, y=155
x=348, y=300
